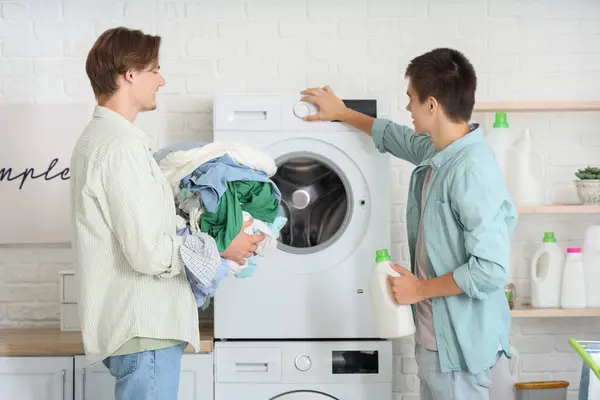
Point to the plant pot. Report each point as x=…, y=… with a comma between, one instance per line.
x=588, y=191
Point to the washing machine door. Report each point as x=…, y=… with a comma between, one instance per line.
x=303, y=395
x=325, y=197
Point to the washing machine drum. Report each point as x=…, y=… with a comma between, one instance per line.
x=303, y=395
x=314, y=199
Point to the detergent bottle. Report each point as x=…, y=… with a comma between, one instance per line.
x=526, y=172
x=500, y=139
x=391, y=319
x=591, y=264
x=546, y=273
x=573, y=283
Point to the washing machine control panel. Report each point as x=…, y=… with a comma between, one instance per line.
x=303, y=109
x=303, y=362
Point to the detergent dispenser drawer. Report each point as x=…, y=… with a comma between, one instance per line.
x=244, y=364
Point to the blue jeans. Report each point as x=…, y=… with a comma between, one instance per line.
x=456, y=385
x=149, y=375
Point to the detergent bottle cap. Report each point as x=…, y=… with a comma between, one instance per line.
x=501, y=121
x=382, y=255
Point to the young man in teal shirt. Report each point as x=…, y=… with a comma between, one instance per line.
x=459, y=220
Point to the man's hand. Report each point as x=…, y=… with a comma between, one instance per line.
x=407, y=288
x=243, y=245
x=331, y=108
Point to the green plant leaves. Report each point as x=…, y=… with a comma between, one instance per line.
x=588, y=173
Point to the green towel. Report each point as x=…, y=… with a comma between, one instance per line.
x=226, y=223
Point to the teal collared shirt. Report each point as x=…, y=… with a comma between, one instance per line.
x=467, y=222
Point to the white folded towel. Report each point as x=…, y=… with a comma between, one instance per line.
x=179, y=164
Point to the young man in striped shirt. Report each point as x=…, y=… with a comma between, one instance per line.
x=137, y=309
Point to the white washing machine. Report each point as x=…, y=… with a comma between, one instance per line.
x=354, y=370
x=335, y=189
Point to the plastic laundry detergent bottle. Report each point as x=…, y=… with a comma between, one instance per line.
x=591, y=264
x=526, y=172
x=500, y=139
x=573, y=283
x=546, y=273
x=391, y=319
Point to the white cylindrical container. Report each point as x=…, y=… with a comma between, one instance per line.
x=591, y=266
x=573, y=282
x=546, y=273
x=391, y=319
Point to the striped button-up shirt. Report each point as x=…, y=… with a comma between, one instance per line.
x=127, y=252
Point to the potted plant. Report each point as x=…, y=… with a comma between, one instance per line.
x=588, y=185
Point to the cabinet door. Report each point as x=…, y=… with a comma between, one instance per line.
x=96, y=383
x=36, y=378
x=197, y=379
x=93, y=382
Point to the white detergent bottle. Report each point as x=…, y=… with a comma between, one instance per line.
x=546, y=273
x=526, y=173
x=391, y=320
x=500, y=139
x=591, y=264
x=573, y=283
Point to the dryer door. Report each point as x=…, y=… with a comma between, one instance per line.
x=324, y=195
x=303, y=395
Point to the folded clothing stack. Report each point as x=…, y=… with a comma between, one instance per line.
x=217, y=186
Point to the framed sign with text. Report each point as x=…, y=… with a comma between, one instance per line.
x=36, y=141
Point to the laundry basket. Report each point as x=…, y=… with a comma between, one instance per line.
x=542, y=390
x=589, y=384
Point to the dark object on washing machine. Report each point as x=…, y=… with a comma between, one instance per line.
x=354, y=362
x=368, y=107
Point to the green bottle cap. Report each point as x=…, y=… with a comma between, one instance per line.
x=549, y=237
x=382, y=255
x=501, y=121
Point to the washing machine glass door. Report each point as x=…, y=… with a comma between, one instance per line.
x=304, y=395
x=314, y=198
x=325, y=198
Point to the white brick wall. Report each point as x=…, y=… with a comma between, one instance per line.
x=358, y=46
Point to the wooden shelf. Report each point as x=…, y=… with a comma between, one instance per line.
x=528, y=312
x=528, y=106
x=560, y=209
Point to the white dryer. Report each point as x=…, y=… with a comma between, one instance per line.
x=335, y=193
x=303, y=370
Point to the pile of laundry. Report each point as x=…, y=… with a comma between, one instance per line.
x=217, y=186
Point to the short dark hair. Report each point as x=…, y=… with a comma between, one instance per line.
x=115, y=51
x=447, y=75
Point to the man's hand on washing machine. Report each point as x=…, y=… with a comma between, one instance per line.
x=330, y=106
x=243, y=245
x=407, y=288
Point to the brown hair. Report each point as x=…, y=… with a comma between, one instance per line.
x=116, y=51
x=447, y=75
